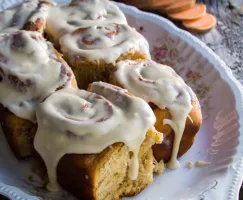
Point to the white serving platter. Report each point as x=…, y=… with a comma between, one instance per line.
x=220, y=140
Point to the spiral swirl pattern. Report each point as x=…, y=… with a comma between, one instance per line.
x=82, y=14
x=160, y=85
x=104, y=42
x=30, y=70
x=15, y=17
x=77, y=121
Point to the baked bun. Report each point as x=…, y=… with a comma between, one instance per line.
x=81, y=14
x=92, y=143
x=30, y=70
x=28, y=15
x=177, y=110
x=93, y=51
x=163, y=151
x=37, y=20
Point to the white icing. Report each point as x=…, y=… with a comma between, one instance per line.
x=160, y=85
x=81, y=14
x=40, y=14
x=15, y=17
x=29, y=72
x=103, y=42
x=76, y=121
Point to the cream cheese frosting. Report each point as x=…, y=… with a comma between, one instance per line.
x=81, y=14
x=103, y=42
x=15, y=17
x=73, y=121
x=160, y=85
x=39, y=16
x=30, y=70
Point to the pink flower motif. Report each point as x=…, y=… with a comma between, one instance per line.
x=173, y=53
x=189, y=74
x=181, y=69
x=160, y=53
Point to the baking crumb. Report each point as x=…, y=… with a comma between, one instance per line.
x=190, y=164
x=201, y=163
x=87, y=177
x=159, y=167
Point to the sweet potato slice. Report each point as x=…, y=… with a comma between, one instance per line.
x=160, y=4
x=197, y=11
x=178, y=5
x=202, y=24
x=142, y=4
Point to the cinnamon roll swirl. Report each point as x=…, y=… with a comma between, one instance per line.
x=174, y=104
x=92, y=134
x=37, y=20
x=93, y=51
x=30, y=70
x=28, y=15
x=81, y=14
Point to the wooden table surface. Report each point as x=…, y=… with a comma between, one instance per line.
x=226, y=39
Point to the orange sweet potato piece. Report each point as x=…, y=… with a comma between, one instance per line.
x=160, y=4
x=178, y=5
x=195, y=12
x=143, y=4
x=202, y=24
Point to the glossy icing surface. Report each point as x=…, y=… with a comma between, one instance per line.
x=104, y=42
x=160, y=85
x=82, y=14
x=30, y=70
x=82, y=122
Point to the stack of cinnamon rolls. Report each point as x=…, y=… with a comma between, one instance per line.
x=79, y=91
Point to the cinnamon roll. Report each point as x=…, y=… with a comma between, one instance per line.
x=81, y=14
x=30, y=70
x=37, y=20
x=28, y=15
x=96, y=144
x=174, y=104
x=93, y=51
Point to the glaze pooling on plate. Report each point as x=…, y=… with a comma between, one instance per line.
x=201, y=69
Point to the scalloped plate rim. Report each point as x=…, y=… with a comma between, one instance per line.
x=224, y=71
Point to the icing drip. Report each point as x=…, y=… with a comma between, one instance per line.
x=30, y=70
x=82, y=14
x=104, y=42
x=81, y=122
x=160, y=85
x=15, y=17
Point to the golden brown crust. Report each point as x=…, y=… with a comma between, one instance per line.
x=87, y=72
x=78, y=173
x=86, y=175
x=19, y=133
x=34, y=26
